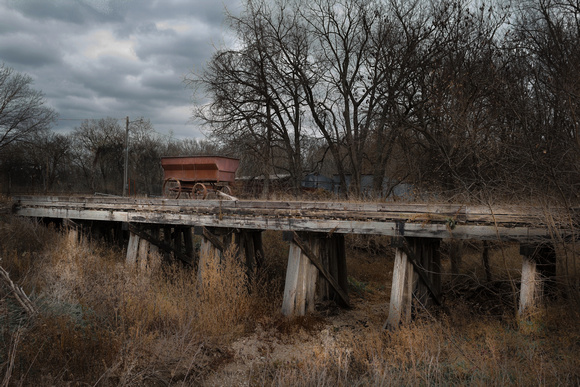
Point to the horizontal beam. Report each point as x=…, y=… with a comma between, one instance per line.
x=411, y=220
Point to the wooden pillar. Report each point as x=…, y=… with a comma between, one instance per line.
x=138, y=250
x=132, y=249
x=143, y=256
x=210, y=251
x=538, y=265
x=426, y=251
x=300, y=285
x=155, y=232
x=401, y=291
x=418, y=275
x=529, y=288
x=455, y=254
x=72, y=231
x=485, y=259
x=315, y=261
x=188, y=242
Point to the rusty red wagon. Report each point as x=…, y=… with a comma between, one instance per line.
x=196, y=176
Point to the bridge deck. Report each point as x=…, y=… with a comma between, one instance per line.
x=409, y=219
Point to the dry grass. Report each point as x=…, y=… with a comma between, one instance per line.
x=104, y=323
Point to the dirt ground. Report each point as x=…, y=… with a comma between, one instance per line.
x=286, y=340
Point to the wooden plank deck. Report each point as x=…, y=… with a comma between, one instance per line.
x=414, y=219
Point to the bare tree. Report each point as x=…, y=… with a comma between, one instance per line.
x=255, y=93
x=22, y=110
x=99, y=149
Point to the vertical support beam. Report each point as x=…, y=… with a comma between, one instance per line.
x=313, y=259
x=427, y=256
x=538, y=271
x=188, y=241
x=210, y=252
x=538, y=265
x=72, y=232
x=401, y=290
x=340, y=254
x=529, y=286
x=155, y=232
x=416, y=272
x=143, y=255
x=291, y=283
x=167, y=240
x=485, y=259
x=455, y=255
x=300, y=285
x=132, y=249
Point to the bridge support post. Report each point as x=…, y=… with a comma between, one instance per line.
x=538, y=265
x=215, y=241
x=250, y=250
x=416, y=273
x=314, y=260
x=139, y=249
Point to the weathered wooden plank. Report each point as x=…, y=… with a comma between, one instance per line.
x=316, y=261
x=291, y=282
x=419, y=268
x=143, y=255
x=398, y=304
x=419, y=220
x=416, y=211
x=165, y=246
x=132, y=249
x=529, y=285
x=314, y=225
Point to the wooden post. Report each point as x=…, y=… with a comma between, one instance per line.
x=416, y=272
x=167, y=239
x=316, y=270
x=426, y=252
x=143, y=255
x=455, y=254
x=188, y=241
x=532, y=276
x=210, y=251
x=132, y=249
x=401, y=290
x=155, y=232
x=300, y=285
x=485, y=259
x=529, y=286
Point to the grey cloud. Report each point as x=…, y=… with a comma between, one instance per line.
x=77, y=12
x=49, y=40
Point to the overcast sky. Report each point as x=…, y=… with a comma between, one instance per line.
x=114, y=58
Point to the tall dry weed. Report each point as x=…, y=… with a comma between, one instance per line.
x=224, y=302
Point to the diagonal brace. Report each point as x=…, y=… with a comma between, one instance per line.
x=316, y=262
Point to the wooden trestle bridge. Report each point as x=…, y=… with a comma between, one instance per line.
x=317, y=261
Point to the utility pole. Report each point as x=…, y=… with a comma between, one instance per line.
x=126, y=170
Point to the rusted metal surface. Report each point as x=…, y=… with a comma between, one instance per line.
x=195, y=176
x=200, y=168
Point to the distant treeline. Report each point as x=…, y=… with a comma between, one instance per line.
x=457, y=97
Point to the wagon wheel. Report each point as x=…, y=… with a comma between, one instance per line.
x=171, y=188
x=199, y=191
x=227, y=190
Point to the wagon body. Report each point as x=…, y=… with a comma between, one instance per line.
x=216, y=169
x=189, y=174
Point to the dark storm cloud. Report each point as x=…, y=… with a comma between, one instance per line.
x=96, y=58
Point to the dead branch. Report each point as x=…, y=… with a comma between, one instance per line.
x=18, y=293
